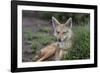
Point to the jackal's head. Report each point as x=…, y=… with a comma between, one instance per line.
x=62, y=31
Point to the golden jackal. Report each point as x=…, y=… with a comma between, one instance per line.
x=63, y=33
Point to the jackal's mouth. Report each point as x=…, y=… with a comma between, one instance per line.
x=61, y=42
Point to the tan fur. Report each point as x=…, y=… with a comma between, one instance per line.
x=63, y=33
x=48, y=51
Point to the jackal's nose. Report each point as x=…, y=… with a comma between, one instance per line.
x=59, y=40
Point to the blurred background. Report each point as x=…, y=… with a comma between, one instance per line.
x=38, y=33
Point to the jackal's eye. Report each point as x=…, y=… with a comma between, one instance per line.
x=64, y=32
x=58, y=32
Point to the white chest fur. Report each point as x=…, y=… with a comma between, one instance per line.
x=65, y=44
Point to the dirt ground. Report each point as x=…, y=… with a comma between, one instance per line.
x=33, y=23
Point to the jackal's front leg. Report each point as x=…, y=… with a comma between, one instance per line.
x=48, y=51
x=59, y=55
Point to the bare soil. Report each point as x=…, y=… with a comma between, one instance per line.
x=33, y=23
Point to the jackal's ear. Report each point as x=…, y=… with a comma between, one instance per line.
x=69, y=23
x=55, y=22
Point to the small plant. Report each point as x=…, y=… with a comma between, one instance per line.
x=34, y=45
x=28, y=35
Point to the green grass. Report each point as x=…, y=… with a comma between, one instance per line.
x=45, y=29
x=47, y=39
x=34, y=45
x=81, y=46
x=43, y=36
